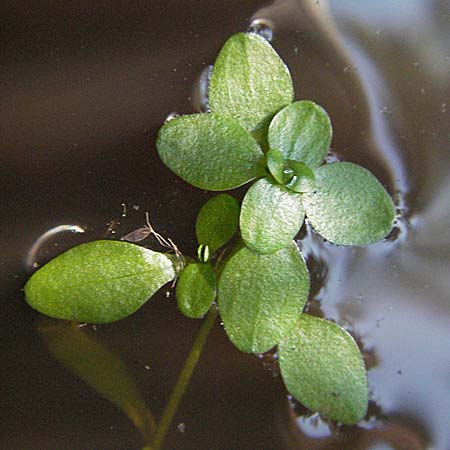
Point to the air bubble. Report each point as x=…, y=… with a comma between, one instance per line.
x=200, y=93
x=263, y=28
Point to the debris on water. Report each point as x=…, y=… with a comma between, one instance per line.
x=137, y=235
x=181, y=427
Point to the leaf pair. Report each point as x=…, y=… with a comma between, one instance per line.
x=216, y=224
x=345, y=203
x=216, y=151
x=261, y=298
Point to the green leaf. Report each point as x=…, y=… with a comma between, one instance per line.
x=276, y=164
x=262, y=296
x=100, y=368
x=348, y=205
x=302, y=132
x=303, y=179
x=249, y=81
x=323, y=369
x=217, y=221
x=196, y=289
x=98, y=282
x=271, y=216
x=210, y=151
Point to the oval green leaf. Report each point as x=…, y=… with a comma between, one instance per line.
x=98, y=282
x=249, y=81
x=210, y=151
x=271, y=216
x=196, y=289
x=348, y=205
x=323, y=369
x=217, y=221
x=302, y=132
x=262, y=296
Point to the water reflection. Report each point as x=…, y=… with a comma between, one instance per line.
x=99, y=367
x=31, y=258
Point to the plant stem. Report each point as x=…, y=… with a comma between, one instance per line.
x=183, y=379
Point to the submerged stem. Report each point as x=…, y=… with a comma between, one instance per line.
x=183, y=379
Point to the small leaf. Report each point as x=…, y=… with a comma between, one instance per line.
x=101, y=369
x=323, y=369
x=98, y=282
x=217, y=221
x=302, y=132
x=348, y=205
x=210, y=151
x=249, y=81
x=303, y=178
x=262, y=296
x=196, y=289
x=271, y=216
x=276, y=164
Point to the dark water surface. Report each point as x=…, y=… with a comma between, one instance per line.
x=84, y=87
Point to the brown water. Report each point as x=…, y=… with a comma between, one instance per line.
x=84, y=88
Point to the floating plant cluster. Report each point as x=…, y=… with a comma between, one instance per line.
x=248, y=266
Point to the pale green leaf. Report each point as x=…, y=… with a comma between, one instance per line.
x=302, y=132
x=217, y=221
x=196, y=289
x=348, y=205
x=98, y=282
x=323, y=369
x=262, y=296
x=249, y=81
x=210, y=151
x=271, y=216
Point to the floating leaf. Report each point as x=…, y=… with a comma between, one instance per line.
x=323, y=369
x=100, y=368
x=262, y=296
x=217, y=221
x=196, y=289
x=210, y=151
x=249, y=81
x=302, y=132
x=348, y=205
x=98, y=282
x=271, y=216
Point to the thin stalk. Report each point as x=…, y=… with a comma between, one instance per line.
x=183, y=379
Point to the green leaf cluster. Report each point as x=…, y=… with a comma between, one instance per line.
x=254, y=131
x=264, y=285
